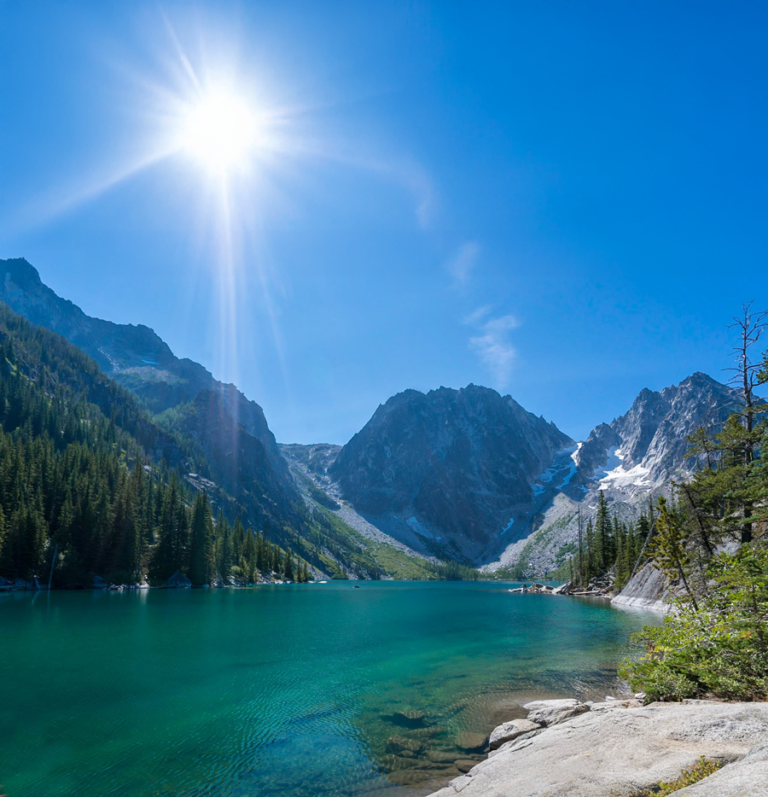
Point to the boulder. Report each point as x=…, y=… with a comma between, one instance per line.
x=611, y=704
x=511, y=730
x=553, y=712
x=464, y=764
x=178, y=580
x=471, y=741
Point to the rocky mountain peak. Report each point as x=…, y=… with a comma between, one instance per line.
x=450, y=469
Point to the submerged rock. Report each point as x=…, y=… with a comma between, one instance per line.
x=439, y=757
x=409, y=719
x=400, y=745
x=471, y=741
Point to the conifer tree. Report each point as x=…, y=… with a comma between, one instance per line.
x=248, y=557
x=603, y=540
x=201, y=560
x=224, y=553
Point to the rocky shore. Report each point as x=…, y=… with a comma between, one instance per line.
x=648, y=589
x=619, y=748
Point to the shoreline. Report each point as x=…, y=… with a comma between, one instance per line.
x=621, y=747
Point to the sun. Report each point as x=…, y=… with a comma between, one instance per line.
x=220, y=132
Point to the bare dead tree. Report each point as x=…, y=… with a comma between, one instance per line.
x=750, y=325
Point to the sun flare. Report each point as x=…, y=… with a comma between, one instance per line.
x=220, y=132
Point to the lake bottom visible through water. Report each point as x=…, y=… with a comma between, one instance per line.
x=300, y=690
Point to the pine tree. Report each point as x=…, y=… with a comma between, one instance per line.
x=591, y=564
x=669, y=549
x=224, y=554
x=248, y=557
x=603, y=541
x=201, y=560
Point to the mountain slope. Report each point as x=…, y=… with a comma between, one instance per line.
x=647, y=446
x=450, y=471
x=134, y=356
x=630, y=459
x=85, y=473
x=215, y=436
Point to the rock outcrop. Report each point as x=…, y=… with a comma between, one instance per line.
x=647, y=589
x=620, y=748
x=510, y=730
x=553, y=712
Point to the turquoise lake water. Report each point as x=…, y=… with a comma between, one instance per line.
x=284, y=690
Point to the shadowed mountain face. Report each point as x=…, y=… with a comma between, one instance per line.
x=134, y=356
x=451, y=469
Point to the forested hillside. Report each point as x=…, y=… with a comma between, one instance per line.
x=87, y=475
x=93, y=485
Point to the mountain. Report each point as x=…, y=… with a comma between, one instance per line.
x=450, y=471
x=455, y=474
x=217, y=438
x=471, y=475
x=134, y=356
x=647, y=446
x=87, y=475
x=635, y=456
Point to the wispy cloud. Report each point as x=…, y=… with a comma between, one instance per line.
x=460, y=266
x=477, y=316
x=493, y=344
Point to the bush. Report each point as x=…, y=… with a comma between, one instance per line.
x=718, y=648
x=700, y=770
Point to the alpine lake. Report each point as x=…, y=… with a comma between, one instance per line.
x=350, y=689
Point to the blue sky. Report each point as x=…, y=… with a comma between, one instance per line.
x=563, y=201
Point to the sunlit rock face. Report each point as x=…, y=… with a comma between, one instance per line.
x=134, y=356
x=630, y=460
x=645, y=448
x=450, y=470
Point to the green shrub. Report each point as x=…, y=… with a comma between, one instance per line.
x=700, y=770
x=718, y=647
